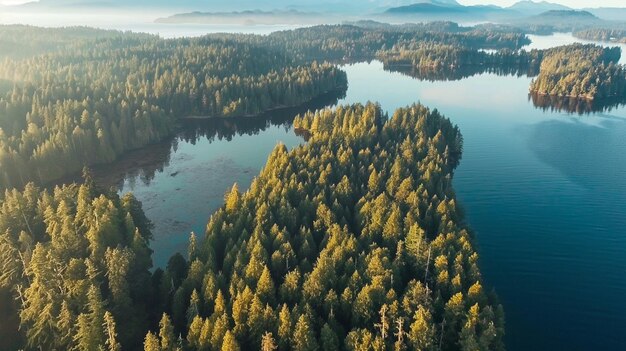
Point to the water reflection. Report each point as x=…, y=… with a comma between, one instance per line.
x=580, y=149
x=574, y=105
x=459, y=73
x=142, y=165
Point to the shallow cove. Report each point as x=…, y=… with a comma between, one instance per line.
x=543, y=189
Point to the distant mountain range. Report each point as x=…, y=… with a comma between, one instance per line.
x=566, y=14
x=452, y=10
x=392, y=10
x=535, y=8
x=256, y=17
x=441, y=7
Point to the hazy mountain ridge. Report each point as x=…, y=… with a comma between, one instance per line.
x=302, y=11
x=565, y=20
x=522, y=10
x=531, y=7
x=252, y=17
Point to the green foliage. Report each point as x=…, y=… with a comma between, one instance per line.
x=350, y=42
x=349, y=241
x=581, y=71
x=95, y=100
x=366, y=215
x=69, y=257
x=602, y=34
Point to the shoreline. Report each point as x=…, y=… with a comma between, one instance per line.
x=145, y=156
x=576, y=97
x=260, y=114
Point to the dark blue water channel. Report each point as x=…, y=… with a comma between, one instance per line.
x=544, y=191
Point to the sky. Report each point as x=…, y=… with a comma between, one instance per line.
x=570, y=3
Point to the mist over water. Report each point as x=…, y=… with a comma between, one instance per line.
x=135, y=21
x=558, y=39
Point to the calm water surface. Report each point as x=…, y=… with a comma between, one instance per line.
x=543, y=190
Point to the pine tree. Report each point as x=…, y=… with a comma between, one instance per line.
x=268, y=343
x=421, y=333
x=151, y=343
x=233, y=199
x=265, y=287
x=195, y=332
x=303, y=338
x=230, y=343
x=194, y=306
x=166, y=334
x=284, y=327
x=110, y=333
x=329, y=340
x=192, y=249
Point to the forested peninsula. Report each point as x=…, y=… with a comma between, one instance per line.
x=351, y=240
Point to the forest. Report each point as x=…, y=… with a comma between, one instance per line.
x=75, y=267
x=78, y=97
x=362, y=41
x=581, y=71
x=610, y=35
x=91, y=102
x=437, y=57
x=351, y=241
x=575, y=71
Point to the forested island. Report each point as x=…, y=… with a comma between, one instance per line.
x=582, y=72
x=433, y=59
x=574, y=71
x=351, y=240
x=602, y=34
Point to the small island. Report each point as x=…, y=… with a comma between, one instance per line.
x=579, y=71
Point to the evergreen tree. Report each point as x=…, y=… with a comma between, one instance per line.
x=303, y=338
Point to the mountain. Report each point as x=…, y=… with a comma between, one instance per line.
x=255, y=17
x=445, y=9
x=562, y=21
x=529, y=7
x=573, y=15
x=425, y=7
x=439, y=2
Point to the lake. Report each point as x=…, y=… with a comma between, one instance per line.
x=543, y=190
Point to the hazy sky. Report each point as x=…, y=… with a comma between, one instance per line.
x=570, y=3
x=11, y=2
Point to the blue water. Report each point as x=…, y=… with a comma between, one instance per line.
x=546, y=195
x=543, y=191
